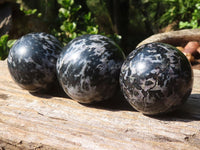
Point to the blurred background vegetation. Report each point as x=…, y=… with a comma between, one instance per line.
x=128, y=22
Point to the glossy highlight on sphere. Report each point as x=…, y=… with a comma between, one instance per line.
x=32, y=61
x=156, y=78
x=88, y=68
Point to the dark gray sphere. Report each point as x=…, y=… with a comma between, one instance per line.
x=88, y=68
x=156, y=78
x=32, y=61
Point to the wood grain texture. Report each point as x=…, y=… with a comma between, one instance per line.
x=42, y=121
x=176, y=38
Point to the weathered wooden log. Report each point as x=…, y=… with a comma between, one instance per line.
x=42, y=121
x=176, y=38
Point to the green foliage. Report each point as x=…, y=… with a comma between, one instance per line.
x=73, y=21
x=103, y=17
x=5, y=45
x=28, y=11
x=67, y=19
x=185, y=12
x=194, y=21
x=158, y=14
x=10, y=43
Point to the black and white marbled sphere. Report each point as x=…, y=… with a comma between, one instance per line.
x=32, y=61
x=88, y=68
x=156, y=78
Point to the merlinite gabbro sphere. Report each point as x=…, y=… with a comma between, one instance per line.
x=32, y=61
x=156, y=78
x=88, y=68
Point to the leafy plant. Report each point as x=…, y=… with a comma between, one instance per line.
x=28, y=11
x=73, y=21
x=195, y=20
x=157, y=14
x=5, y=45
x=185, y=12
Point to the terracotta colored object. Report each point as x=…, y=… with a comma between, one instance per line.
x=180, y=48
x=191, y=47
x=189, y=56
x=198, y=49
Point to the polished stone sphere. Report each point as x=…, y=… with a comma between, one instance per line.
x=32, y=61
x=156, y=78
x=88, y=68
